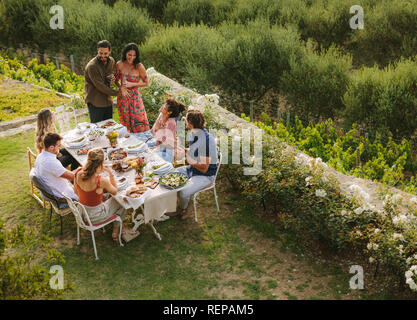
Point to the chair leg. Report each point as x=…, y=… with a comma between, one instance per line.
x=120, y=234
x=217, y=202
x=195, y=206
x=94, y=244
x=78, y=235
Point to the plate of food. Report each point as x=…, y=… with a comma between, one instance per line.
x=86, y=126
x=173, y=180
x=82, y=152
x=161, y=168
x=116, y=153
x=77, y=142
x=96, y=133
x=136, y=191
x=135, y=148
x=121, y=183
x=151, y=183
x=108, y=124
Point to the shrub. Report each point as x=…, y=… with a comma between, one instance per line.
x=155, y=8
x=17, y=20
x=276, y=12
x=174, y=50
x=195, y=11
x=22, y=276
x=314, y=85
x=327, y=22
x=384, y=100
x=87, y=22
x=388, y=34
x=254, y=57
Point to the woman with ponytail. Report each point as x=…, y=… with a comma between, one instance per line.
x=165, y=128
x=90, y=186
x=45, y=121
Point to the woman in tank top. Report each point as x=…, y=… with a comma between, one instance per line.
x=90, y=186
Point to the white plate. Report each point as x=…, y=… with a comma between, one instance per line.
x=122, y=185
x=77, y=146
x=165, y=168
x=109, y=150
x=141, y=148
x=96, y=133
x=82, y=127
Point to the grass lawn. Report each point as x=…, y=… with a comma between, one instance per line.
x=235, y=254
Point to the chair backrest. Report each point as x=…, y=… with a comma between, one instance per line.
x=64, y=117
x=31, y=158
x=219, y=161
x=45, y=191
x=80, y=215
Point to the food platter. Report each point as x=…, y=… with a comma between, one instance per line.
x=82, y=152
x=173, y=180
x=116, y=153
x=136, y=191
x=96, y=133
x=108, y=124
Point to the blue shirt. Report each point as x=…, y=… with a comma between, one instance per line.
x=202, y=144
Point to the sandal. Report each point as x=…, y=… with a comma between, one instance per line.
x=129, y=234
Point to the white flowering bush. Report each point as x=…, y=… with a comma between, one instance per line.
x=153, y=96
x=309, y=201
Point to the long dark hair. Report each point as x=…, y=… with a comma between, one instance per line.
x=128, y=47
x=175, y=106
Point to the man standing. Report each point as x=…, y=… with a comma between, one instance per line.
x=50, y=171
x=98, y=76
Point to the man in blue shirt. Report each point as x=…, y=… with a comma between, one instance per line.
x=202, y=159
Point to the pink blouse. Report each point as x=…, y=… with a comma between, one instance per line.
x=168, y=134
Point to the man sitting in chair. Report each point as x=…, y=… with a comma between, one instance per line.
x=202, y=159
x=50, y=171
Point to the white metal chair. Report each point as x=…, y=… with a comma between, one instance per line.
x=210, y=186
x=64, y=117
x=59, y=205
x=84, y=222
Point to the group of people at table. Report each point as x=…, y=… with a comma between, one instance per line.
x=87, y=184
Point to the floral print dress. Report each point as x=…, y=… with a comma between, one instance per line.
x=132, y=113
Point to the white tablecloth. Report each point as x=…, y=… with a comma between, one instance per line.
x=156, y=202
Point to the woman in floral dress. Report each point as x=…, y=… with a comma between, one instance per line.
x=131, y=73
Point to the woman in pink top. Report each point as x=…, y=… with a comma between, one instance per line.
x=165, y=128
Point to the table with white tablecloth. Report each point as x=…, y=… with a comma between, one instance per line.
x=154, y=203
